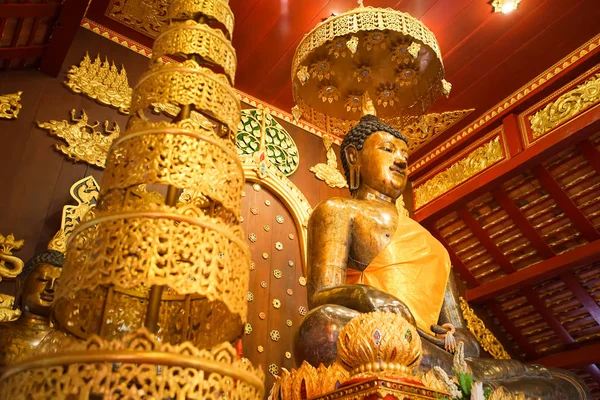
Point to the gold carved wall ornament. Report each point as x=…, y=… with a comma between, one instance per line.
x=484, y=336
x=101, y=81
x=422, y=130
x=329, y=172
x=10, y=105
x=84, y=142
x=478, y=160
x=145, y=16
x=566, y=107
x=10, y=268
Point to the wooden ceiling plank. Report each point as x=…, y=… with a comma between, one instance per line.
x=13, y=10
x=591, y=153
x=582, y=295
x=522, y=223
x=64, y=32
x=594, y=372
x=507, y=324
x=548, y=316
x=577, y=358
x=566, y=204
x=582, y=255
x=484, y=239
x=456, y=262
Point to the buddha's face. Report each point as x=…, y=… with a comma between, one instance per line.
x=383, y=161
x=38, y=289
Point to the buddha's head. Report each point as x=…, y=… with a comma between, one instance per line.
x=376, y=155
x=37, y=282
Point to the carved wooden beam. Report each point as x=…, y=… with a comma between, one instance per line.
x=16, y=10
x=522, y=223
x=566, y=204
x=22, y=52
x=561, y=263
x=540, y=306
x=505, y=321
x=457, y=263
x=65, y=30
x=578, y=358
x=485, y=240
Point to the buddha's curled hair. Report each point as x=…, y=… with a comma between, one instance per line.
x=357, y=135
x=52, y=257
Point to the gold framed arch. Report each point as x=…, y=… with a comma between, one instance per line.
x=284, y=189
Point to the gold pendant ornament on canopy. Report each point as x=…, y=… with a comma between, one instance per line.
x=393, y=58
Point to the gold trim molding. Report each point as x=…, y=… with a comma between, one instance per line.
x=566, y=107
x=84, y=142
x=565, y=104
x=10, y=105
x=479, y=158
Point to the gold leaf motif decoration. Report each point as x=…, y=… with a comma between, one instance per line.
x=420, y=131
x=84, y=142
x=101, y=81
x=478, y=160
x=329, y=172
x=10, y=105
x=10, y=268
x=207, y=372
x=566, y=107
x=486, y=339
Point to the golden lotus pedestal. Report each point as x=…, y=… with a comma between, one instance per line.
x=377, y=358
x=382, y=388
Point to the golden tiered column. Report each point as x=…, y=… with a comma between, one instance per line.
x=153, y=292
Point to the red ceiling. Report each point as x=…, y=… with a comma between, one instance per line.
x=487, y=56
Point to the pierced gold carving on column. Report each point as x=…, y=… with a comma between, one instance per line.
x=478, y=160
x=486, y=339
x=185, y=371
x=10, y=268
x=10, y=105
x=329, y=172
x=566, y=107
x=84, y=142
x=101, y=81
x=145, y=16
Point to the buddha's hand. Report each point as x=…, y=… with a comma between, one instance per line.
x=382, y=301
x=447, y=337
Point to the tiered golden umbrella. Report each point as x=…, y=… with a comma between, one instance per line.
x=153, y=292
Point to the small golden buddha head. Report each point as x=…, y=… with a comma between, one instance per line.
x=375, y=154
x=37, y=282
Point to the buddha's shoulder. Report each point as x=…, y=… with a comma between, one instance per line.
x=338, y=208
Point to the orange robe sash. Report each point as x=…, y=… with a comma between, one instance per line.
x=414, y=267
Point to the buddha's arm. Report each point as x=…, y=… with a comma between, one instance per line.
x=329, y=239
x=451, y=312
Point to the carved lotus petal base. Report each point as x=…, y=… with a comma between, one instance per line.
x=386, y=388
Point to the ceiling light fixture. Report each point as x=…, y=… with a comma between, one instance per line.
x=505, y=6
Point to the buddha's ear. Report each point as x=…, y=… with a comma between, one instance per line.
x=351, y=154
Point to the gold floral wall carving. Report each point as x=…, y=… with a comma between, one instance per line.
x=566, y=107
x=10, y=105
x=476, y=161
x=84, y=142
x=484, y=336
x=10, y=267
x=329, y=172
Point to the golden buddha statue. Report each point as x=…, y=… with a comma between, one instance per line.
x=363, y=257
x=35, y=291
